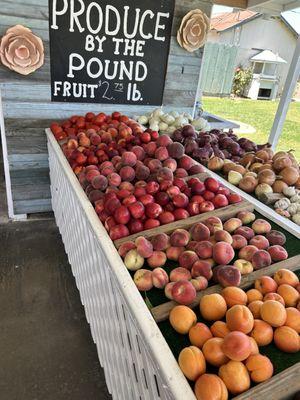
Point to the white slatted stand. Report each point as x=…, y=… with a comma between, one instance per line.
x=137, y=361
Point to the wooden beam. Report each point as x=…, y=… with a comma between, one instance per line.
x=286, y=97
x=232, y=3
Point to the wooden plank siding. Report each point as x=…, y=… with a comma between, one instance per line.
x=28, y=110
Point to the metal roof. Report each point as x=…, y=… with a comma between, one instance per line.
x=268, y=56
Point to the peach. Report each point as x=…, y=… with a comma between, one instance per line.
x=246, y=217
x=235, y=376
x=125, y=247
x=244, y=266
x=255, y=307
x=168, y=290
x=204, y=249
x=234, y=295
x=261, y=226
x=179, y=238
x=276, y=237
x=143, y=279
x=199, y=232
x=297, y=287
x=158, y=259
x=176, y=150
x=293, y=318
x=173, y=252
x=239, y=318
x=287, y=339
x=265, y=284
x=273, y=313
x=223, y=236
x=262, y=332
x=210, y=387
x=289, y=294
x=259, y=367
x=277, y=253
x=232, y=224
x=238, y=242
x=133, y=261
x=179, y=273
x=219, y=329
x=254, y=294
x=236, y=346
x=274, y=296
x=213, y=353
x=199, y=334
x=202, y=268
x=261, y=259
x=260, y=241
x=286, y=276
x=214, y=224
x=144, y=247
x=187, y=259
x=199, y=283
x=228, y=275
x=182, y=318
x=245, y=231
x=213, y=307
x=247, y=252
x=159, y=278
x=223, y=253
x=183, y=292
x=254, y=347
x=192, y=362
x=160, y=242
x=128, y=158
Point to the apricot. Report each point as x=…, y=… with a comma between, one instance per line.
x=239, y=318
x=254, y=294
x=259, y=367
x=289, y=294
x=273, y=313
x=236, y=346
x=254, y=346
x=199, y=334
x=274, y=296
x=235, y=376
x=213, y=353
x=192, y=362
x=262, y=332
x=234, y=295
x=213, y=307
x=182, y=318
x=210, y=387
x=287, y=339
x=265, y=284
x=293, y=318
x=255, y=307
x=283, y=276
x=219, y=329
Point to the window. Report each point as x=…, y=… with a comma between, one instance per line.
x=258, y=67
x=266, y=93
x=270, y=69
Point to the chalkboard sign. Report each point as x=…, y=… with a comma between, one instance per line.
x=109, y=51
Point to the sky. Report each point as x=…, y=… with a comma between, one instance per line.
x=293, y=17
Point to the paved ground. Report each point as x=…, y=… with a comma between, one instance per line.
x=46, y=350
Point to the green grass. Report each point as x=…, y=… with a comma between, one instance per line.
x=260, y=114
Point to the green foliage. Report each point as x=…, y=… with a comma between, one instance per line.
x=241, y=80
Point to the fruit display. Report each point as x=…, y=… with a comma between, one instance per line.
x=208, y=250
x=162, y=122
x=134, y=177
x=226, y=351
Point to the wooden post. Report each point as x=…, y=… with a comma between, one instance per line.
x=286, y=97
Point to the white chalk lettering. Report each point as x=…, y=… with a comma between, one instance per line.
x=159, y=26
x=74, y=15
x=108, y=10
x=72, y=67
x=99, y=17
x=125, y=23
x=142, y=22
x=55, y=12
x=57, y=87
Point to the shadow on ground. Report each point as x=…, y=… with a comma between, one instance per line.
x=47, y=352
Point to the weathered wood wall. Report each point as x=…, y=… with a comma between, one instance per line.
x=27, y=107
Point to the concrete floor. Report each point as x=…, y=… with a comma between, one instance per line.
x=46, y=349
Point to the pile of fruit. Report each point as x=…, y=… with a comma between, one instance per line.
x=238, y=324
x=135, y=179
x=208, y=250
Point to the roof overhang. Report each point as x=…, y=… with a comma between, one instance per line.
x=271, y=7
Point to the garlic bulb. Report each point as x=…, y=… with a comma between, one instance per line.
x=201, y=124
x=163, y=126
x=295, y=198
x=234, y=177
x=157, y=112
x=282, y=203
x=289, y=191
x=154, y=126
x=296, y=219
x=293, y=209
x=168, y=119
x=143, y=120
